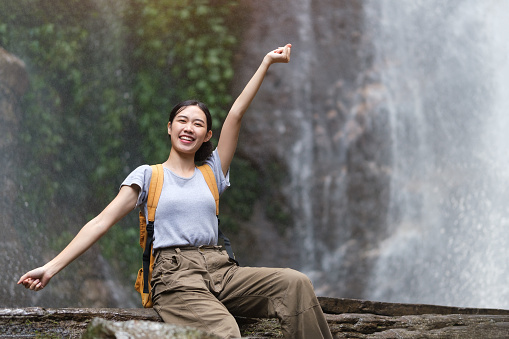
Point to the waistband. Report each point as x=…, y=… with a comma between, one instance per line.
x=178, y=249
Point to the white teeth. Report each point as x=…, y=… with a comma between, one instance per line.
x=186, y=138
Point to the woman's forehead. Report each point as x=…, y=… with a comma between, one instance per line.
x=192, y=111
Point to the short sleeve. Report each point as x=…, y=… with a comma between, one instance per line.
x=140, y=177
x=223, y=182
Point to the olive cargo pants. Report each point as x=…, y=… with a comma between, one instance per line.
x=202, y=288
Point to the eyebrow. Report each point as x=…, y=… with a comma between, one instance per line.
x=185, y=116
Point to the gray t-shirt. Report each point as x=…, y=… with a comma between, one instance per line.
x=186, y=211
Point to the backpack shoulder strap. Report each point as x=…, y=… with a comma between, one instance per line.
x=208, y=174
x=154, y=191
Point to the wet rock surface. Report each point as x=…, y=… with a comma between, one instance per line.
x=419, y=326
x=34, y=322
x=348, y=318
x=101, y=328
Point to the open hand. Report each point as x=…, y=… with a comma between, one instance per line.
x=281, y=54
x=36, y=279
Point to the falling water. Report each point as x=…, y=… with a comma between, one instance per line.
x=445, y=69
x=25, y=243
x=302, y=153
x=394, y=136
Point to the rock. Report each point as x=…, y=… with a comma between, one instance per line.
x=347, y=318
x=343, y=305
x=351, y=318
x=134, y=329
x=419, y=326
x=13, y=74
x=333, y=145
x=62, y=322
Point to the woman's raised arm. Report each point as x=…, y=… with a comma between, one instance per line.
x=123, y=203
x=231, y=126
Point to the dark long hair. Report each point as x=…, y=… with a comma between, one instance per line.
x=206, y=148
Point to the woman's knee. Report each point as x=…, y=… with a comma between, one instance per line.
x=300, y=294
x=296, y=279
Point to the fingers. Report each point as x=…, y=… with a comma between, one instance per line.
x=288, y=50
x=33, y=280
x=285, y=48
x=282, y=50
x=36, y=285
x=32, y=284
x=23, y=277
x=283, y=54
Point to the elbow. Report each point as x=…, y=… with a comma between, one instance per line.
x=235, y=115
x=98, y=226
x=234, y=119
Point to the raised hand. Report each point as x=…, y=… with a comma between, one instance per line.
x=231, y=126
x=281, y=54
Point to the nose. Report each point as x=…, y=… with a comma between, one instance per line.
x=188, y=127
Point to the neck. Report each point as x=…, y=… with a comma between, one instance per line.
x=180, y=164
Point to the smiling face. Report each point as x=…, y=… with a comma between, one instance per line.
x=188, y=130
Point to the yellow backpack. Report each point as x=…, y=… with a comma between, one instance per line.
x=142, y=284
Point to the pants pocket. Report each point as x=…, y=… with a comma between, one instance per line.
x=165, y=273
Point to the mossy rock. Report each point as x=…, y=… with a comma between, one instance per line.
x=134, y=329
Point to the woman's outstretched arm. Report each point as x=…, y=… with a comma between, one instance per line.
x=231, y=126
x=123, y=203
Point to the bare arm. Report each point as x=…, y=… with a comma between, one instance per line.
x=231, y=126
x=123, y=203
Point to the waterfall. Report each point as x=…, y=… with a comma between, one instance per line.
x=302, y=152
x=445, y=69
x=26, y=242
x=389, y=129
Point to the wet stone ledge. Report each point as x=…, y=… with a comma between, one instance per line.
x=347, y=318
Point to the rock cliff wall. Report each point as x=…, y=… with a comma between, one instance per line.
x=315, y=125
x=386, y=139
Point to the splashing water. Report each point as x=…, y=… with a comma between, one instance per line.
x=445, y=69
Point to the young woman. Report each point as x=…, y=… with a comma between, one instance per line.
x=194, y=282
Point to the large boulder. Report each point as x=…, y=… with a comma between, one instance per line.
x=139, y=329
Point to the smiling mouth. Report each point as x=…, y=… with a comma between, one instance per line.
x=186, y=138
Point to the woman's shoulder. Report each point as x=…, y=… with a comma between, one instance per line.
x=143, y=167
x=142, y=170
x=139, y=175
x=215, y=163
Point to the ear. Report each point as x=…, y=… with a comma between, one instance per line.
x=169, y=127
x=208, y=136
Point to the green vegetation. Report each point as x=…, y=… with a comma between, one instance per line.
x=103, y=78
x=182, y=52
x=237, y=204
x=277, y=208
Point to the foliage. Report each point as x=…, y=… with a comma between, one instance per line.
x=54, y=128
x=183, y=51
x=104, y=76
x=276, y=205
x=121, y=247
x=237, y=204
